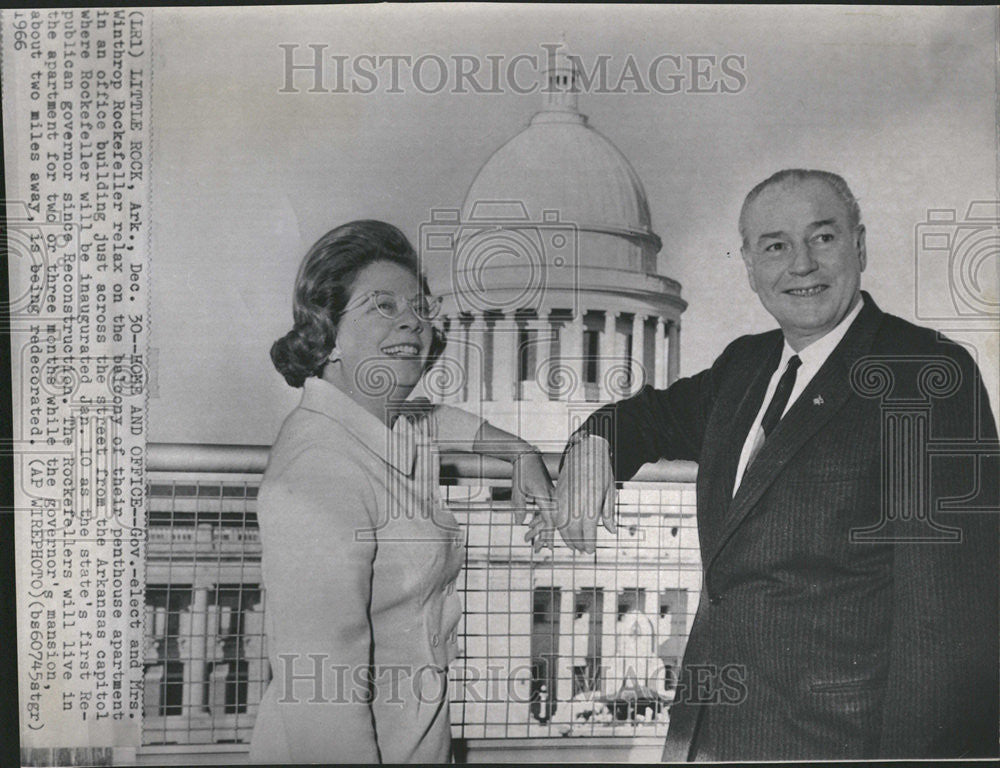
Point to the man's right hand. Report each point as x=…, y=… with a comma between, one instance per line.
x=585, y=493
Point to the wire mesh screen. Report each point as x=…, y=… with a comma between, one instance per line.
x=574, y=645
x=205, y=659
x=554, y=644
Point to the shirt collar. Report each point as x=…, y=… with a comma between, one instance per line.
x=814, y=355
x=396, y=446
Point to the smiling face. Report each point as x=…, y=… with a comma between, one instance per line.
x=804, y=257
x=366, y=338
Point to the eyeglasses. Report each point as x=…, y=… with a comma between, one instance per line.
x=391, y=305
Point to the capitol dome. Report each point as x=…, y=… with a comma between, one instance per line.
x=549, y=274
x=559, y=163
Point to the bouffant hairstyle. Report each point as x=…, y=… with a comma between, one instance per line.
x=323, y=289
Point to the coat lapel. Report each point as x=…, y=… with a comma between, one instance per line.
x=825, y=395
x=737, y=406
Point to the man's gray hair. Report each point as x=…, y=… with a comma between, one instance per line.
x=837, y=184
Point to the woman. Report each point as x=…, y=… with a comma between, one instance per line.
x=359, y=555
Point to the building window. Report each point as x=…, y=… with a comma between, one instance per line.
x=525, y=369
x=628, y=361
x=544, y=652
x=591, y=345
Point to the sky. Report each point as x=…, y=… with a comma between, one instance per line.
x=900, y=101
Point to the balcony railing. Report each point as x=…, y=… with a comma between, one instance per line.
x=552, y=645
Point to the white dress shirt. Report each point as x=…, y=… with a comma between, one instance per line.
x=812, y=357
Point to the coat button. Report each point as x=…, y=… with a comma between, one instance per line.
x=435, y=640
x=450, y=589
x=714, y=599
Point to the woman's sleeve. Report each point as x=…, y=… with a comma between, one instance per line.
x=455, y=429
x=317, y=573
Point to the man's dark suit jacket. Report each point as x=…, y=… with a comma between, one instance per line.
x=806, y=643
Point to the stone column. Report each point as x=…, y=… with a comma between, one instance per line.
x=475, y=360
x=571, y=351
x=160, y=622
x=567, y=653
x=609, y=639
x=607, y=348
x=191, y=643
x=217, y=689
x=255, y=652
x=660, y=355
x=535, y=386
x=517, y=692
x=638, y=350
x=454, y=354
x=152, y=689
x=214, y=650
x=674, y=356
x=504, y=358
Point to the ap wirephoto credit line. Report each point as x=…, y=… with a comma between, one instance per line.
x=482, y=383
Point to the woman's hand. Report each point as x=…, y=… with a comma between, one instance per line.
x=530, y=482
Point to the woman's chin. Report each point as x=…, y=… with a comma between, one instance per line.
x=407, y=372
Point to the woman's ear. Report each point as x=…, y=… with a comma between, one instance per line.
x=331, y=340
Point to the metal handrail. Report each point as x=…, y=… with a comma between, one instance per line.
x=252, y=460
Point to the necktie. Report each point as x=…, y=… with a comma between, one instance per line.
x=780, y=399
x=775, y=408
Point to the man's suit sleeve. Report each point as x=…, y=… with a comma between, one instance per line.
x=941, y=697
x=658, y=423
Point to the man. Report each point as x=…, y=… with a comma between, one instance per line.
x=844, y=612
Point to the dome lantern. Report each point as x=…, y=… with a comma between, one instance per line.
x=561, y=85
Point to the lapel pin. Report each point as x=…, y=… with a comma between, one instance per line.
x=818, y=400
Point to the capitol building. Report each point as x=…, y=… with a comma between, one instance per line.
x=549, y=272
